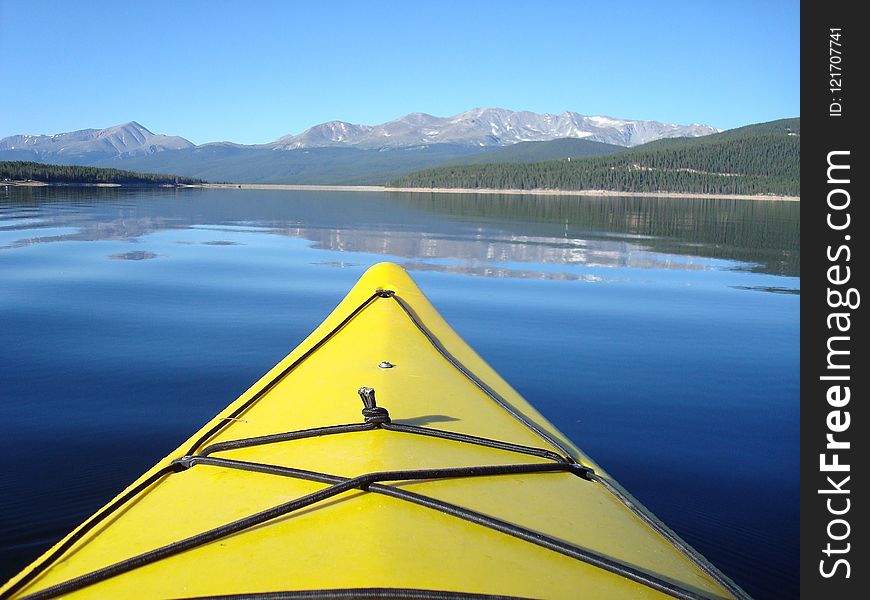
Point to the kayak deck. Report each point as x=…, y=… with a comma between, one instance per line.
x=381, y=458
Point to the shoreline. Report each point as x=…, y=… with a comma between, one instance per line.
x=408, y=190
x=537, y=192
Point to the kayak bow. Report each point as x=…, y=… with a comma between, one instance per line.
x=382, y=458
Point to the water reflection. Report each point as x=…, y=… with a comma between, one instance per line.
x=767, y=288
x=135, y=255
x=493, y=271
x=474, y=234
x=496, y=247
x=766, y=234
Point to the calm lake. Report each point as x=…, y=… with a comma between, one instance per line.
x=660, y=335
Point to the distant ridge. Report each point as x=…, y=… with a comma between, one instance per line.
x=537, y=151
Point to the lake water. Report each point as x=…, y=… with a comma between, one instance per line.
x=660, y=335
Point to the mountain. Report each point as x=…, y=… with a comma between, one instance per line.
x=343, y=153
x=89, y=145
x=487, y=127
x=757, y=159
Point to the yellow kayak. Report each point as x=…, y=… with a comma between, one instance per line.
x=382, y=458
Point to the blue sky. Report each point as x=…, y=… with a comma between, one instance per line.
x=253, y=71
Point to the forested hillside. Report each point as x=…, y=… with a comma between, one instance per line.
x=74, y=174
x=758, y=159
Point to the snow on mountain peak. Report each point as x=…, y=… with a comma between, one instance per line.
x=487, y=127
x=479, y=126
x=127, y=139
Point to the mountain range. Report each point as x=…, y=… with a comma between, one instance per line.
x=341, y=152
x=487, y=127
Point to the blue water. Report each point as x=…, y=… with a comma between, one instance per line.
x=660, y=335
